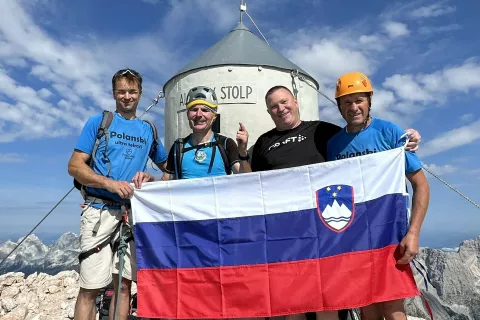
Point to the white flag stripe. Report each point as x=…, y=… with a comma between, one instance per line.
x=268, y=192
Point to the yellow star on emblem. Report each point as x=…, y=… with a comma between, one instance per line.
x=334, y=194
x=339, y=188
x=328, y=189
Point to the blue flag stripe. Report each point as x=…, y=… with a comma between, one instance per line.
x=272, y=238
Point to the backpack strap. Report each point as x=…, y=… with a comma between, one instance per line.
x=107, y=118
x=222, y=147
x=178, y=151
x=154, y=147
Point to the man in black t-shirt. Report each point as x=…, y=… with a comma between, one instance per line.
x=294, y=143
x=304, y=144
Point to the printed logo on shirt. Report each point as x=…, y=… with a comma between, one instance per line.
x=355, y=154
x=128, y=154
x=127, y=140
x=124, y=136
x=298, y=138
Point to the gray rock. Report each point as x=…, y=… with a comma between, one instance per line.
x=454, y=288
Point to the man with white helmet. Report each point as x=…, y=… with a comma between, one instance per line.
x=364, y=135
x=204, y=153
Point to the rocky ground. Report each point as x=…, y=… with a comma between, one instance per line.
x=453, y=288
x=38, y=296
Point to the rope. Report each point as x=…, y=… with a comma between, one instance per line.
x=300, y=77
x=451, y=187
x=256, y=27
x=295, y=73
x=25, y=238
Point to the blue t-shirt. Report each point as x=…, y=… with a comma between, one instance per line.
x=129, y=146
x=195, y=162
x=380, y=135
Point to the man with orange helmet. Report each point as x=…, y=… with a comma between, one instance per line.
x=365, y=135
x=294, y=142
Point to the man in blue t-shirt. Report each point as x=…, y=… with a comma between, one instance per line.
x=122, y=151
x=365, y=135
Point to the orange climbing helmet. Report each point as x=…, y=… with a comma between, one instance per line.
x=352, y=82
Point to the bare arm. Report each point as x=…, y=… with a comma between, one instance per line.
x=241, y=167
x=81, y=171
x=421, y=197
x=242, y=140
x=167, y=176
x=162, y=165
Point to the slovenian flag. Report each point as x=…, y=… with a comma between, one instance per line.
x=310, y=238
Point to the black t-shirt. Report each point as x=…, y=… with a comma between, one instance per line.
x=303, y=145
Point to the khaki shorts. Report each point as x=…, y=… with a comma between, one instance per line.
x=96, y=270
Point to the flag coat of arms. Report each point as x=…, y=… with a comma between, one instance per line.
x=289, y=241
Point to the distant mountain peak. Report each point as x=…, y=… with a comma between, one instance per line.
x=34, y=256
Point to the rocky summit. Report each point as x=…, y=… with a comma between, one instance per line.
x=38, y=296
x=449, y=281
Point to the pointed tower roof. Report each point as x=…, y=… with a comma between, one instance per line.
x=241, y=47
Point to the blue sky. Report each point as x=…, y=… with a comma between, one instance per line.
x=57, y=60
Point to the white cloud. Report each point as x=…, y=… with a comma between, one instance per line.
x=386, y=106
x=433, y=10
x=451, y=139
x=441, y=170
x=428, y=30
x=12, y=157
x=467, y=117
x=16, y=92
x=436, y=86
x=374, y=42
x=314, y=55
x=16, y=62
x=217, y=14
x=396, y=29
x=407, y=88
x=44, y=93
x=464, y=77
x=79, y=72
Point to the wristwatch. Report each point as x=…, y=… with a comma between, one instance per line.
x=247, y=157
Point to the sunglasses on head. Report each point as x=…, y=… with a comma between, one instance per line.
x=124, y=72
